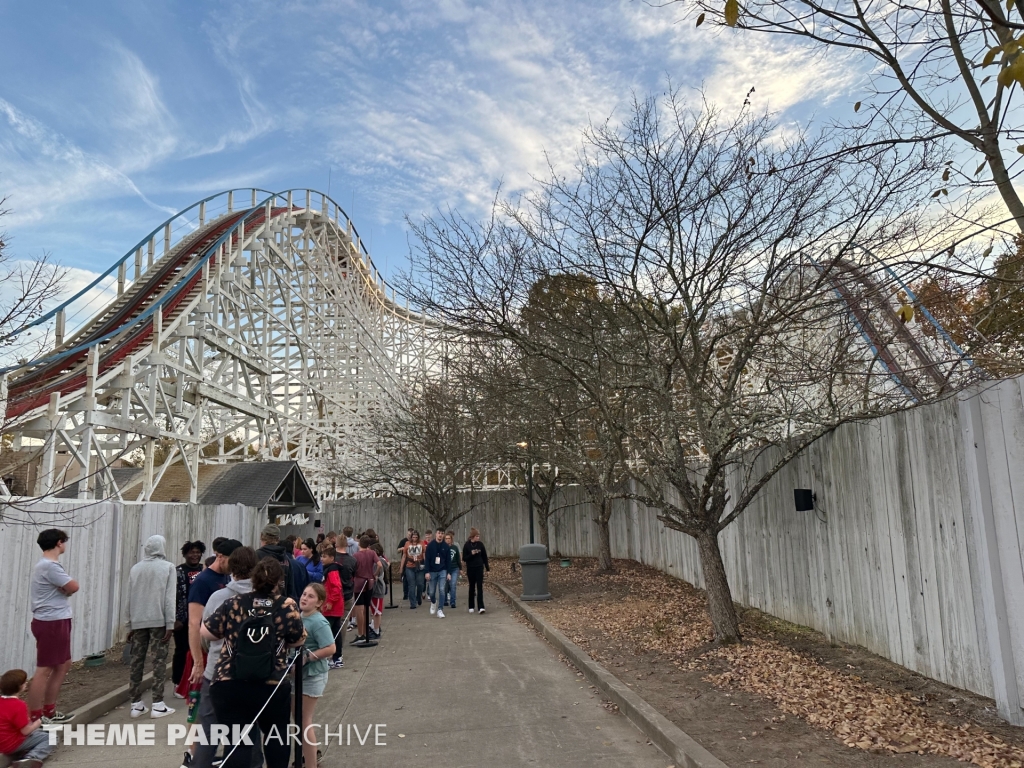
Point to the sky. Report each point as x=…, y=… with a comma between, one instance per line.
x=115, y=115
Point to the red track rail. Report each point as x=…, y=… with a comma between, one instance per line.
x=68, y=374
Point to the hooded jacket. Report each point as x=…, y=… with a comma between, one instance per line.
x=151, y=586
x=295, y=577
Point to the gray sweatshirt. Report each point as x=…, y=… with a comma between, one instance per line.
x=151, y=588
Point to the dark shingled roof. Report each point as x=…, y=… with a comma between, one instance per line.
x=280, y=484
x=258, y=483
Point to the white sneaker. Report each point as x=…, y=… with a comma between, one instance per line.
x=471, y=610
x=440, y=613
x=161, y=710
x=433, y=609
x=139, y=709
x=483, y=610
x=178, y=695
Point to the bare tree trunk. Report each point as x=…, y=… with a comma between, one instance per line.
x=542, y=528
x=723, y=613
x=604, y=550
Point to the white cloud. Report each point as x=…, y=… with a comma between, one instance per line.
x=43, y=170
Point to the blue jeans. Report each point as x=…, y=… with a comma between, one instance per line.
x=452, y=583
x=413, y=579
x=437, y=580
x=36, y=746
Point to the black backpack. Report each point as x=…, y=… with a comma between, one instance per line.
x=256, y=648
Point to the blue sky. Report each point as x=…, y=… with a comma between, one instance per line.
x=115, y=114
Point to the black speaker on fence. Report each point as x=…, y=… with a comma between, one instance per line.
x=804, y=499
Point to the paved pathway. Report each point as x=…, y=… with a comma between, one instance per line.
x=466, y=690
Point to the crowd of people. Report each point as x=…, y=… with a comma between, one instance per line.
x=239, y=621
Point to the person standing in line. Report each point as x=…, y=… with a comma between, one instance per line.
x=362, y=584
x=320, y=646
x=453, y=570
x=401, y=576
x=241, y=564
x=347, y=572
x=250, y=682
x=438, y=557
x=474, y=555
x=21, y=739
x=411, y=568
x=152, y=583
x=215, y=577
x=295, y=576
x=333, y=608
x=51, y=626
x=309, y=558
x=187, y=572
x=350, y=544
x=377, y=599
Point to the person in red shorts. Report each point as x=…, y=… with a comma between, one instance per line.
x=51, y=627
x=21, y=739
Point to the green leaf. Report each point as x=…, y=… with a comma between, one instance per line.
x=732, y=12
x=986, y=79
x=700, y=19
x=945, y=192
x=1021, y=149
x=987, y=252
x=991, y=55
x=856, y=107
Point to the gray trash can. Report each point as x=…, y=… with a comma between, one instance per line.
x=533, y=559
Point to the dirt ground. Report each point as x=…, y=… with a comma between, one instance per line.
x=786, y=696
x=83, y=684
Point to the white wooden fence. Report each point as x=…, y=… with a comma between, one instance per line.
x=106, y=540
x=914, y=551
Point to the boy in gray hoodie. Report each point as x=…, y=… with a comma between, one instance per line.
x=151, y=592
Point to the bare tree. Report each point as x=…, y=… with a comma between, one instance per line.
x=727, y=306
x=428, y=450
x=25, y=289
x=945, y=68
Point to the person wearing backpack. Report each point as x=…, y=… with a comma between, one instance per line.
x=257, y=629
x=241, y=564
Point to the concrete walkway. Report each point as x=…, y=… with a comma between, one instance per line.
x=466, y=690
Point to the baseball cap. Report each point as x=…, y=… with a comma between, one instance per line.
x=227, y=546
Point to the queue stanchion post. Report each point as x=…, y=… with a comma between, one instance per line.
x=391, y=591
x=298, y=707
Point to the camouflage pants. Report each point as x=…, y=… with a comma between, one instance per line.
x=142, y=640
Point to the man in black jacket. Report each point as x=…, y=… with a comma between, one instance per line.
x=438, y=558
x=295, y=576
x=474, y=555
